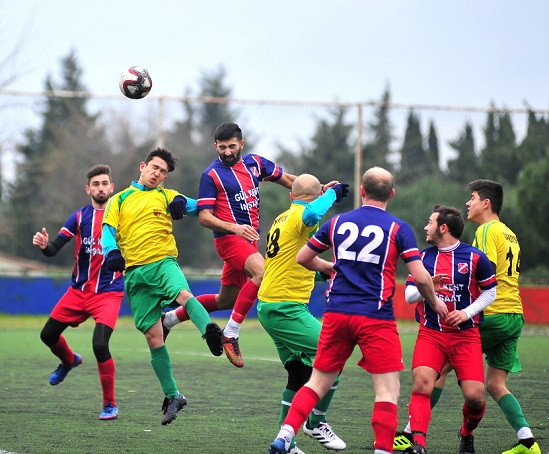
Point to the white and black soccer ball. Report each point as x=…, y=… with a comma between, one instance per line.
x=135, y=82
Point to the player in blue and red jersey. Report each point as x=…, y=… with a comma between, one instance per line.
x=95, y=291
x=228, y=203
x=465, y=281
x=366, y=243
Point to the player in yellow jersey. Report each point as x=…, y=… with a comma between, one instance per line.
x=137, y=237
x=285, y=291
x=503, y=319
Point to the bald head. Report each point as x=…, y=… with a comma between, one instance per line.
x=306, y=187
x=378, y=184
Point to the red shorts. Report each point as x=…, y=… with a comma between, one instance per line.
x=234, y=251
x=378, y=341
x=461, y=349
x=76, y=307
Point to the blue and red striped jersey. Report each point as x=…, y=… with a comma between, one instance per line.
x=366, y=245
x=233, y=192
x=90, y=273
x=469, y=271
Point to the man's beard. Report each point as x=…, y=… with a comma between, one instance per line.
x=434, y=240
x=101, y=199
x=232, y=162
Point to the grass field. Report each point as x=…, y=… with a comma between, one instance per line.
x=229, y=410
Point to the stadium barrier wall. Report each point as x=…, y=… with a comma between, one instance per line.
x=38, y=295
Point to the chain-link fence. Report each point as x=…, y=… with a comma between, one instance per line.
x=267, y=124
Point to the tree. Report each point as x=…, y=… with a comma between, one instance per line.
x=432, y=163
x=464, y=167
x=535, y=145
x=377, y=151
x=330, y=156
x=499, y=158
x=56, y=157
x=532, y=208
x=508, y=164
x=191, y=141
x=413, y=156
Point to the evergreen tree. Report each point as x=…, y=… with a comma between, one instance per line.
x=508, y=164
x=50, y=180
x=535, y=145
x=533, y=215
x=432, y=163
x=464, y=167
x=330, y=156
x=377, y=151
x=413, y=156
x=499, y=159
x=191, y=140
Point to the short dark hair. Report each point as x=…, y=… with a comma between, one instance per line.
x=163, y=154
x=99, y=169
x=452, y=217
x=377, y=186
x=227, y=131
x=488, y=189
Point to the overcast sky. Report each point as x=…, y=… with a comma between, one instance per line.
x=465, y=53
x=458, y=53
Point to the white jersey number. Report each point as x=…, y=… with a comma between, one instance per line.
x=365, y=254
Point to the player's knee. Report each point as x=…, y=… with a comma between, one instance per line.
x=48, y=337
x=100, y=342
x=298, y=374
x=101, y=351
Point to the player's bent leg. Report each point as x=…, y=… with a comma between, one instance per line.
x=59, y=374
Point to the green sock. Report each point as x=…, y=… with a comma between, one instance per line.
x=162, y=366
x=512, y=411
x=287, y=397
x=435, y=396
x=198, y=315
x=318, y=414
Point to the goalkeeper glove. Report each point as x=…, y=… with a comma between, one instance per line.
x=341, y=190
x=178, y=207
x=115, y=261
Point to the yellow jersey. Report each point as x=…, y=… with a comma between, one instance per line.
x=284, y=279
x=501, y=246
x=143, y=224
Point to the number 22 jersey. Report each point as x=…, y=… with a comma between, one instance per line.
x=366, y=243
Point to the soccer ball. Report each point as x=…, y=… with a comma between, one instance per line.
x=135, y=82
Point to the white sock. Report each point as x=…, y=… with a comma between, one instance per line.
x=381, y=451
x=232, y=329
x=408, y=428
x=287, y=433
x=170, y=319
x=525, y=432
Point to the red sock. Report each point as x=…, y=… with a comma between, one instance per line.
x=63, y=352
x=420, y=415
x=302, y=404
x=471, y=418
x=384, y=423
x=106, y=377
x=208, y=301
x=244, y=301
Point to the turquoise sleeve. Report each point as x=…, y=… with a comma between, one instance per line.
x=318, y=208
x=192, y=207
x=108, y=241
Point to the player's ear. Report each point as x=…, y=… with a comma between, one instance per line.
x=392, y=194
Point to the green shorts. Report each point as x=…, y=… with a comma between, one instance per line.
x=293, y=329
x=499, y=335
x=150, y=288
